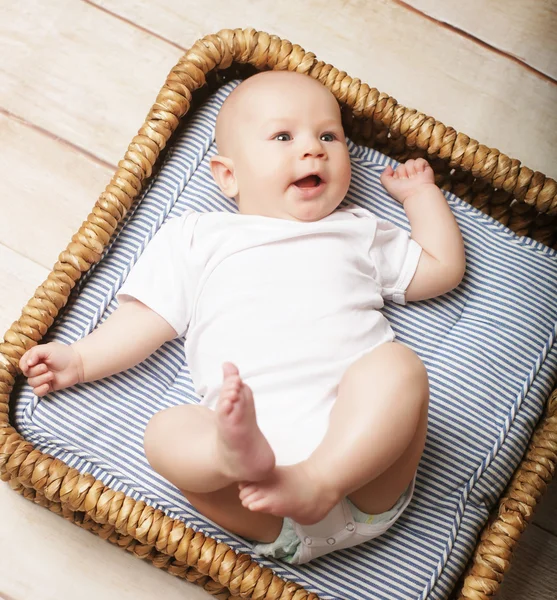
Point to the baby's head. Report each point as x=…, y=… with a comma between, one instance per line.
x=282, y=150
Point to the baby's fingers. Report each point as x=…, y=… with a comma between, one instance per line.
x=34, y=356
x=388, y=171
x=39, y=369
x=388, y=174
x=410, y=167
x=420, y=165
x=24, y=362
x=41, y=384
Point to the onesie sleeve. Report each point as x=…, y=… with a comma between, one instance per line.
x=396, y=256
x=163, y=278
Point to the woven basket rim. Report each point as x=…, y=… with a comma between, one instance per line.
x=149, y=533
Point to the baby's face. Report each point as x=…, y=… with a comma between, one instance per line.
x=289, y=155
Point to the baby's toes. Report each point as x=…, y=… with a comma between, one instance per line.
x=246, y=491
x=255, y=497
x=232, y=383
x=230, y=390
x=226, y=403
x=226, y=407
x=258, y=505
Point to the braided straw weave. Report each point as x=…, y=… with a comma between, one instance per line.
x=523, y=200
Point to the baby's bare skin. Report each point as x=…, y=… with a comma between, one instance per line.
x=371, y=450
x=300, y=491
x=242, y=450
x=247, y=457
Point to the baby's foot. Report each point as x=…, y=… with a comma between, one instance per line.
x=414, y=176
x=295, y=491
x=244, y=452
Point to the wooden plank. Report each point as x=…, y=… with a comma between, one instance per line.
x=546, y=513
x=89, y=77
x=19, y=278
x=424, y=66
x=533, y=571
x=50, y=558
x=80, y=73
x=48, y=189
x=524, y=30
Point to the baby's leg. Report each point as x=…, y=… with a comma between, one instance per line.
x=381, y=493
x=372, y=447
x=225, y=508
x=201, y=450
x=382, y=409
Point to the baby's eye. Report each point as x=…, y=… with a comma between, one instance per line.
x=330, y=137
x=283, y=137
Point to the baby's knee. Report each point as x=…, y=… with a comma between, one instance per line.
x=414, y=379
x=400, y=368
x=409, y=384
x=414, y=368
x=162, y=430
x=154, y=434
x=170, y=426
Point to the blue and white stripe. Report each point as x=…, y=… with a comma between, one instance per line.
x=489, y=348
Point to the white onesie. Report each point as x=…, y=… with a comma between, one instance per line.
x=291, y=303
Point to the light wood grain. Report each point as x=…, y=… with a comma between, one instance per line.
x=48, y=190
x=80, y=73
x=52, y=559
x=19, y=278
x=533, y=574
x=76, y=81
x=98, y=75
x=424, y=66
x=525, y=30
x=546, y=513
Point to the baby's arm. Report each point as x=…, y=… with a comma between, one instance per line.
x=129, y=335
x=442, y=262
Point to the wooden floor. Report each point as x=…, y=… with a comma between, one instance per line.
x=77, y=78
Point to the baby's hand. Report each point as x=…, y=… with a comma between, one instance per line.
x=51, y=367
x=411, y=177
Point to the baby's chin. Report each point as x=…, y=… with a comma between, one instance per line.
x=292, y=208
x=310, y=212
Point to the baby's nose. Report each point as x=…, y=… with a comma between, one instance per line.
x=314, y=149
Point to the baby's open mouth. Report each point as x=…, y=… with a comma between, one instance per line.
x=309, y=181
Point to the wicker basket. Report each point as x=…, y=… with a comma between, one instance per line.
x=523, y=200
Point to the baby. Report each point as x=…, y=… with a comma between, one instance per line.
x=313, y=418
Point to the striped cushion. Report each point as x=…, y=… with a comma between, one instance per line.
x=488, y=347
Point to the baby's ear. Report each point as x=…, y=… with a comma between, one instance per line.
x=222, y=169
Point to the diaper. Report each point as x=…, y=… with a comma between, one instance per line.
x=343, y=527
